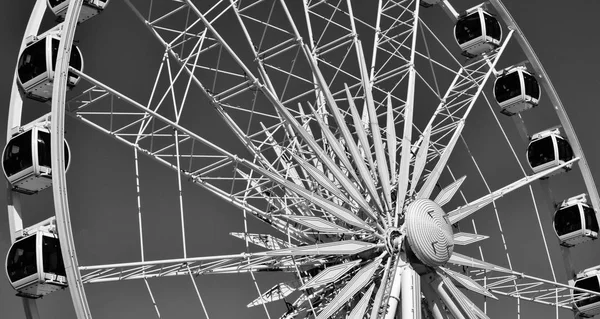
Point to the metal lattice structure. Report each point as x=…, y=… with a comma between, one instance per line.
x=343, y=131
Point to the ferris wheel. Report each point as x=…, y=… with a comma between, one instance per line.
x=293, y=159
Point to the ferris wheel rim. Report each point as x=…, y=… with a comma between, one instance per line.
x=78, y=296
x=65, y=67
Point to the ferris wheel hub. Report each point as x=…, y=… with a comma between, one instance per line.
x=429, y=232
x=393, y=239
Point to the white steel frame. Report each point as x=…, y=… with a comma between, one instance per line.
x=171, y=143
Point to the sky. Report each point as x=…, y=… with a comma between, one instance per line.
x=120, y=52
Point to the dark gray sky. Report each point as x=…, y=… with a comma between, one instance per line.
x=102, y=190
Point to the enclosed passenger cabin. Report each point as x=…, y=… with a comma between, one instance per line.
x=477, y=32
x=516, y=90
x=26, y=160
x=549, y=149
x=36, y=67
x=89, y=8
x=586, y=305
x=575, y=221
x=34, y=265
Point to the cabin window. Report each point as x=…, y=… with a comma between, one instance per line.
x=468, y=28
x=532, y=88
x=565, y=152
x=33, y=61
x=541, y=152
x=53, y=262
x=21, y=261
x=590, y=283
x=507, y=87
x=17, y=156
x=590, y=219
x=43, y=142
x=492, y=27
x=567, y=220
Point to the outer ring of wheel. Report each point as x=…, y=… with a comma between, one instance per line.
x=57, y=129
x=569, y=131
x=61, y=209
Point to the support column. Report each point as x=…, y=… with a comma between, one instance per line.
x=438, y=286
x=435, y=304
x=395, y=292
x=411, y=294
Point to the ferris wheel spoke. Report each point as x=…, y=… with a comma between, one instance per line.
x=392, y=57
x=330, y=207
x=360, y=308
x=338, y=149
x=382, y=166
x=263, y=240
x=390, y=132
x=405, y=157
x=231, y=78
x=330, y=275
x=319, y=225
x=363, y=140
x=354, y=150
x=321, y=179
x=340, y=248
x=290, y=169
x=462, y=260
x=384, y=286
x=531, y=288
x=360, y=280
x=463, y=212
x=420, y=160
x=206, y=167
x=226, y=264
x=347, y=185
x=450, y=116
x=278, y=292
x=470, y=309
x=306, y=217
x=448, y=192
x=324, y=89
x=463, y=238
x=273, y=43
x=433, y=177
x=274, y=203
x=164, y=154
x=331, y=37
x=467, y=282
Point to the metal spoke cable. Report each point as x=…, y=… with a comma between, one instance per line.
x=197, y=291
x=476, y=233
x=329, y=21
x=500, y=229
x=178, y=159
x=177, y=112
x=312, y=308
x=437, y=87
x=482, y=259
x=187, y=24
x=532, y=198
x=247, y=243
x=139, y=209
x=450, y=54
x=267, y=24
x=530, y=188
